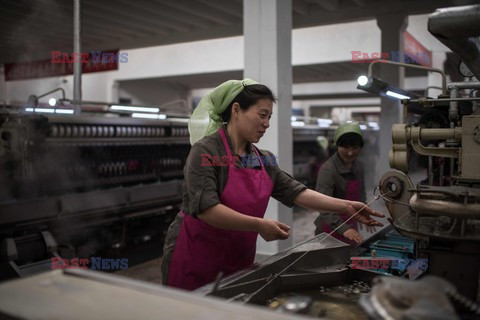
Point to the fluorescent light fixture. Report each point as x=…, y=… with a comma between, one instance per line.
x=149, y=116
x=185, y=120
x=44, y=110
x=324, y=121
x=376, y=86
x=298, y=124
x=48, y=110
x=135, y=109
x=397, y=95
x=362, y=80
x=373, y=124
x=363, y=127
x=52, y=102
x=293, y=118
x=64, y=111
x=373, y=85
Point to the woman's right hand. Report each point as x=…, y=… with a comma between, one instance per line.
x=273, y=230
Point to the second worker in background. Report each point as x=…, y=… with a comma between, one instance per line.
x=342, y=176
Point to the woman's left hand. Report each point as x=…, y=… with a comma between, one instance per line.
x=364, y=215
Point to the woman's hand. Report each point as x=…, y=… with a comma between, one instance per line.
x=353, y=235
x=364, y=215
x=273, y=230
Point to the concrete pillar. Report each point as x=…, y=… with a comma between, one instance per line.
x=392, y=27
x=434, y=78
x=267, y=30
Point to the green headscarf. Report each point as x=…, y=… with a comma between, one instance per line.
x=207, y=116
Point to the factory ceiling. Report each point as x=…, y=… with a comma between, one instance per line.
x=31, y=29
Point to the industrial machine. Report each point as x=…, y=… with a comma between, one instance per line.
x=313, y=278
x=443, y=212
x=440, y=216
x=79, y=186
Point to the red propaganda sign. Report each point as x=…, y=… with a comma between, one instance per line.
x=413, y=48
x=61, y=64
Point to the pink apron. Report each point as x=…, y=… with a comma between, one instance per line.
x=353, y=194
x=201, y=250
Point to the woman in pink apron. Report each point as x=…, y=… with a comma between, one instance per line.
x=228, y=183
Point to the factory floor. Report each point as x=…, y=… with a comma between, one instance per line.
x=303, y=229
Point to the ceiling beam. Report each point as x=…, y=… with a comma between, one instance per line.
x=64, y=23
x=324, y=69
x=229, y=7
x=89, y=14
x=114, y=12
x=175, y=20
x=195, y=35
x=115, y=16
x=351, y=12
x=329, y=5
x=50, y=28
x=199, y=10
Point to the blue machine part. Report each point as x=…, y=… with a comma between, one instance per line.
x=399, y=249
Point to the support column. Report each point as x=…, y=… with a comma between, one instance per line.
x=77, y=47
x=267, y=28
x=392, y=27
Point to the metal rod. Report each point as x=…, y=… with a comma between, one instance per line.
x=52, y=91
x=464, y=85
x=407, y=65
x=441, y=100
x=441, y=173
x=452, y=167
x=77, y=48
x=453, y=110
x=217, y=282
x=79, y=102
x=430, y=170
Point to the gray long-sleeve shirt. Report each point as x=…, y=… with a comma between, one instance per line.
x=332, y=180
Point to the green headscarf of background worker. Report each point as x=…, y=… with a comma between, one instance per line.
x=224, y=197
x=342, y=176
